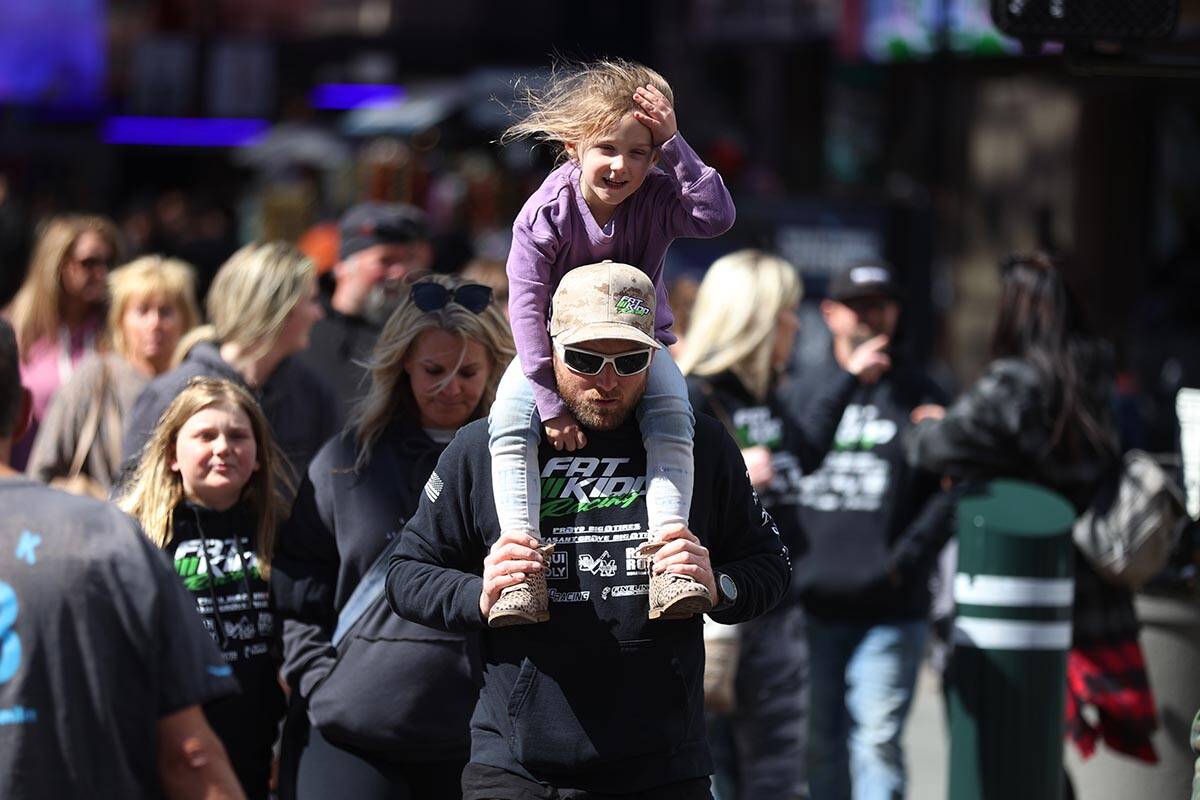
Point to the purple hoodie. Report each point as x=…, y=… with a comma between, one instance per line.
x=555, y=232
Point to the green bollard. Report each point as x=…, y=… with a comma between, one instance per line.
x=1014, y=592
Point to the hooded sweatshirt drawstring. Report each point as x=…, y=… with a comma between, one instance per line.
x=222, y=639
x=243, y=545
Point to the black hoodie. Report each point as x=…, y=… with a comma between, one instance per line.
x=599, y=698
x=342, y=520
x=338, y=347
x=214, y=556
x=298, y=404
x=872, y=526
x=797, y=446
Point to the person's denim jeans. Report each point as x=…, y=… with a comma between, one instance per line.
x=863, y=677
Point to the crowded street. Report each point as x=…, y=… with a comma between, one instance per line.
x=670, y=400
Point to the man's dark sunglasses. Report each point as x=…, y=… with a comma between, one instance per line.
x=429, y=296
x=585, y=362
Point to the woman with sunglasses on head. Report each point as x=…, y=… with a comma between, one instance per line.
x=434, y=368
x=58, y=313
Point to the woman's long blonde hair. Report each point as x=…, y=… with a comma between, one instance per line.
x=581, y=101
x=251, y=297
x=391, y=391
x=150, y=276
x=34, y=311
x=733, y=323
x=156, y=489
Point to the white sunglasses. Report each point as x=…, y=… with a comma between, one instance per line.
x=585, y=362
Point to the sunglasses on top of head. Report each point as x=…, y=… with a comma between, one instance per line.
x=585, y=362
x=430, y=296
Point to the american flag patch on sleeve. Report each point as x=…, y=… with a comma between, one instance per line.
x=433, y=487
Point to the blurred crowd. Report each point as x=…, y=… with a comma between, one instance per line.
x=265, y=410
x=108, y=344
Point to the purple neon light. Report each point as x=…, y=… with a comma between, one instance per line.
x=183, y=131
x=339, y=96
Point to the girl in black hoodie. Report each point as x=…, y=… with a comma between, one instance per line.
x=434, y=368
x=208, y=491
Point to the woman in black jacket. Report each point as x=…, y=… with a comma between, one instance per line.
x=739, y=340
x=385, y=712
x=1041, y=412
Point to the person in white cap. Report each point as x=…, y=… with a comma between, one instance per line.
x=599, y=700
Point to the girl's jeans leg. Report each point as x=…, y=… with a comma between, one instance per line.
x=668, y=428
x=513, y=435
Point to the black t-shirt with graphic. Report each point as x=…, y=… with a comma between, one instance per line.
x=214, y=553
x=754, y=423
x=97, y=643
x=600, y=697
x=865, y=512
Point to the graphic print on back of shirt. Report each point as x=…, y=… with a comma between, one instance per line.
x=854, y=476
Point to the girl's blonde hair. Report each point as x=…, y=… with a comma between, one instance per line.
x=581, y=101
x=733, y=323
x=34, y=311
x=150, y=276
x=251, y=297
x=156, y=489
x=391, y=390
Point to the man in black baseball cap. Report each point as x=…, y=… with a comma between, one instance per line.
x=868, y=279
x=874, y=526
x=863, y=303
x=381, y=245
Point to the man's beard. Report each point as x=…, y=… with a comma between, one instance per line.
x=597, y=418
x=383, y=298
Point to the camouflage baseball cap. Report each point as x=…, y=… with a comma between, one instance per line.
x=604, y=301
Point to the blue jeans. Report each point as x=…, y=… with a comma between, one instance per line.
x=863, y=677
x=667, y=424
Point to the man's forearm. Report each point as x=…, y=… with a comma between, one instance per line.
x=192, y=763
x=432, y=595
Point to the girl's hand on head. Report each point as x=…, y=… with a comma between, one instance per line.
x=657, y=114
x=564, y=433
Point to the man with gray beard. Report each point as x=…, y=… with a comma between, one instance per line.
x=381, y=245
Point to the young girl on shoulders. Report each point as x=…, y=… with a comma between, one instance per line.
x=207, y=491
x=629, y=186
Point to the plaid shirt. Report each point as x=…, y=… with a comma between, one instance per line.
x=1106, y=670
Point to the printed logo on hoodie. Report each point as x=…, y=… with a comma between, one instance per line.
x=576, y=485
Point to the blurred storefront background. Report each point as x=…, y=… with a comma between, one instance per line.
x=908, y=129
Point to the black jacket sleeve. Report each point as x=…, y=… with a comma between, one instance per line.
x=745, y=542
x=810, y=433
x=914, y=553
x=304, y=577
x=435, y=577
x=995, y=428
